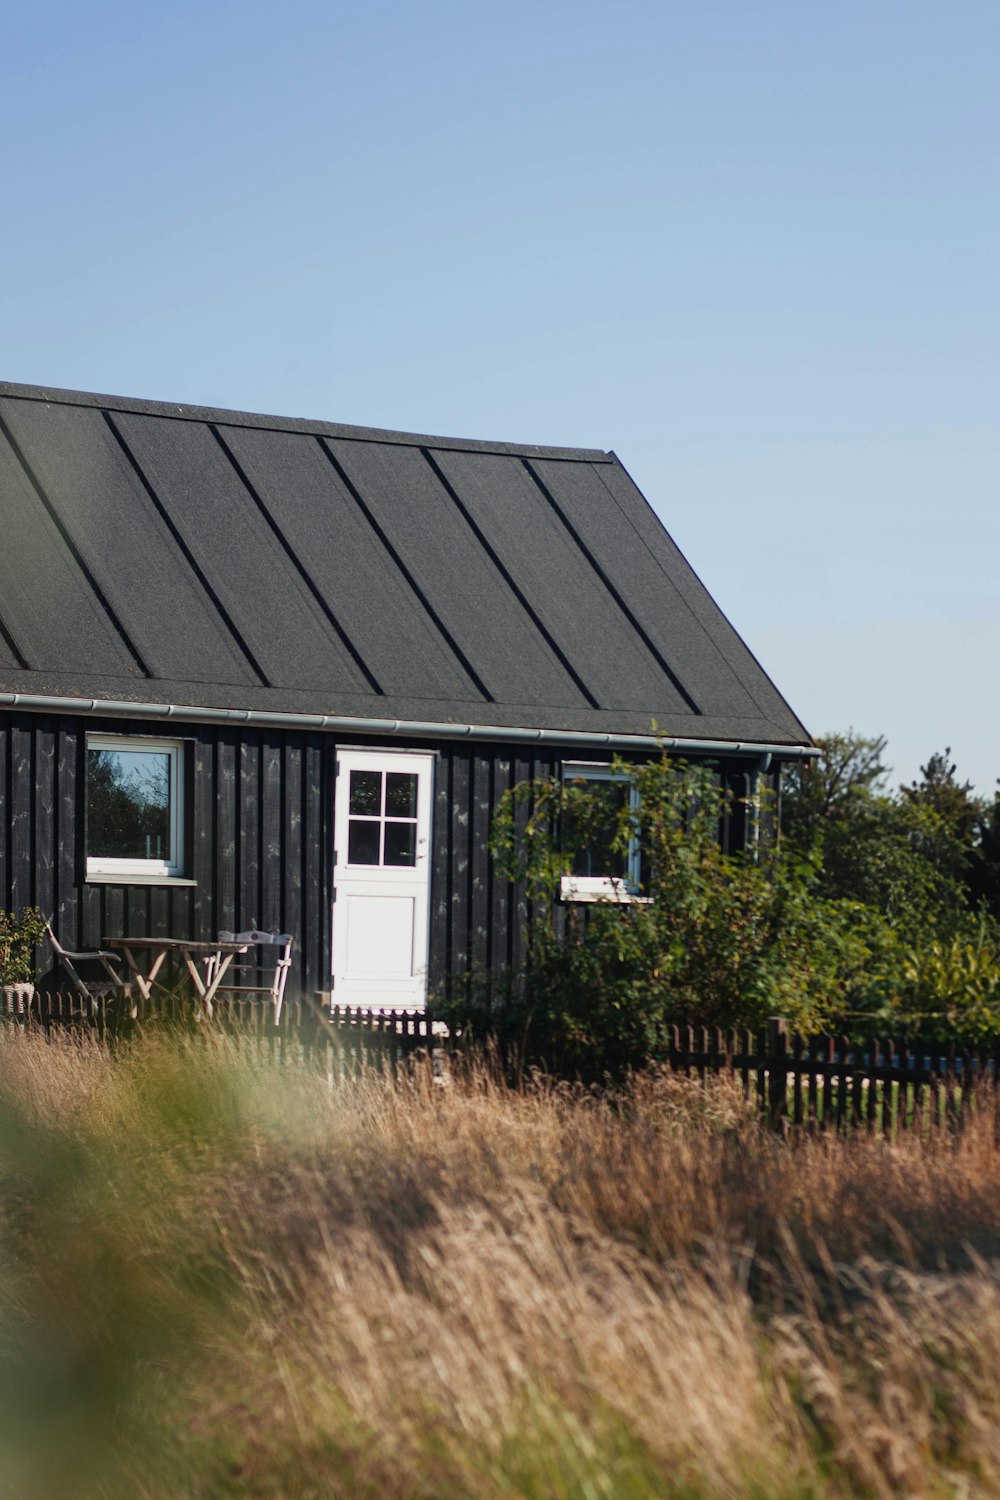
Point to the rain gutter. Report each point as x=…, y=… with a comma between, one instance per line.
x=409, y=728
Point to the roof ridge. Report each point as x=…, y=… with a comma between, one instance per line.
x=224, y=416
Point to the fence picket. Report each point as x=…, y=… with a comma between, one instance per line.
x=919, y=1091
x=857, y=1086
x=812, y=1084
x=872, y=1074
x=888, y=1052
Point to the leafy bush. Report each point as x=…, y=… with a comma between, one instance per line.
x=19, y=936
x=869, y=918
x=714, y=939
x=941, y=989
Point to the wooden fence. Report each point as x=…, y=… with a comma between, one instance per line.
x=344, y=1040
x=883, y=1085
x=797, y=1083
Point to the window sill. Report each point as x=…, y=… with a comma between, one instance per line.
x=611, y=893
x=94, y=879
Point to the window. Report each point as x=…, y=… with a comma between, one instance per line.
x=382, y=818
x=134, y=807
x=597, y=871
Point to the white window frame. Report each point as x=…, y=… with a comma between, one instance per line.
x=98, y=864
x=605, y=887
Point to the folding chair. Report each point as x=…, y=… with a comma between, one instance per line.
x=111, y=984
x=280, y=944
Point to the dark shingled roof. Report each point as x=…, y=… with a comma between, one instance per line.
x=176, y=554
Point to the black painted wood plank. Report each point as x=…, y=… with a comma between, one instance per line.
x=227, y=795
x=248, y=824
x=22, y=796
x=69, y=819
x=291, y=865
x=739, y=789
x=5, y=768
x=45, y=831
x=201, y=864
x=111, y=916
x=480, y=812
x=461, y=870
x=135, y=911
x=269, y=795
x=438, y=959
x=158, y=911
x=500, y=888
x=180, y=912
x=522, y=770
x=317, y=844
x=91, y=929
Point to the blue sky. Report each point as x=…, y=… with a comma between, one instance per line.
x=752, y=247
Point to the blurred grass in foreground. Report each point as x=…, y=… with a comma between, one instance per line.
x=226, y=1278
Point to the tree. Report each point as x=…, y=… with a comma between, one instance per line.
x=948, y=816
x=984, y=869
x=906, y=855
x=847, y=773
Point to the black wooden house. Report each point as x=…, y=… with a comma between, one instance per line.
x=255, y=670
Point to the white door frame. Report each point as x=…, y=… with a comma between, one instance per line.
x=381, y=909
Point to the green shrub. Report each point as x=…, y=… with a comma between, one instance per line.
x=714, y=939
x=19, y=936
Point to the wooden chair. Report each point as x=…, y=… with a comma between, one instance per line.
x=112, y=982
x=274, y=958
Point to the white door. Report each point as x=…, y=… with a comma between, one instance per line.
x=381, y=879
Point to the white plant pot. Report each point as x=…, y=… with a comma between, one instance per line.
x=17, y=998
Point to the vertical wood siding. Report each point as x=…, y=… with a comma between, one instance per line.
x=259, y=841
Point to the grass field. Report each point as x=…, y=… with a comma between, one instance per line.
x=225, y=1278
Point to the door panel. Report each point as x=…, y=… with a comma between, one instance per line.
x=381, y=878
x=379, y=936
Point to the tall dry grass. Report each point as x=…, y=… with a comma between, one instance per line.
x=223, y=1277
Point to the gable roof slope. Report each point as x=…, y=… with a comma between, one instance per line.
x=156, y=553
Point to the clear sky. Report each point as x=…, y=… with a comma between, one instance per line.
x=752, y=245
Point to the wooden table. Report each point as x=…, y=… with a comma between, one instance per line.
x=193, y=955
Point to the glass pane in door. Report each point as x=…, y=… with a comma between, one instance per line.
x=401, y=794
x=400, y=844
x=366, y=793
x=362, y=843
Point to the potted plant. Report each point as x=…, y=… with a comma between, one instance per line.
x=19, y=936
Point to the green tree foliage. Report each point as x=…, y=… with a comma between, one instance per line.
x=877, y=911
x=984, y=870
x=905, y=855
x=819, y=794
x=713, y=938
x=924, y=863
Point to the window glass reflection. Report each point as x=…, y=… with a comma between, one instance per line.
x=401, y=794
x=366, y=793
x=592, y=854
x=128, y=804
x=400, y=844
x=362, y=843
